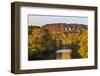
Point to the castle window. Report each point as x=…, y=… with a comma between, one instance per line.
x=66, y=29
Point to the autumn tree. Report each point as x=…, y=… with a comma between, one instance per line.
x=83, y=50
x=39, y=40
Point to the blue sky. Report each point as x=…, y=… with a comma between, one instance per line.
x=40, y=20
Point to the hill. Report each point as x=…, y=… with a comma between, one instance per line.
x=61, y=27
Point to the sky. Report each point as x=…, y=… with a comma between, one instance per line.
x=40, y=20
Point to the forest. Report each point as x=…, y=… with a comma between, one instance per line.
x=43, y=42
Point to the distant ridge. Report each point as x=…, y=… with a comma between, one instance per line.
x=60, y=27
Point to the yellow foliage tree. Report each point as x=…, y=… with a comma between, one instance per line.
x=39, y=40
x=83, y=50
